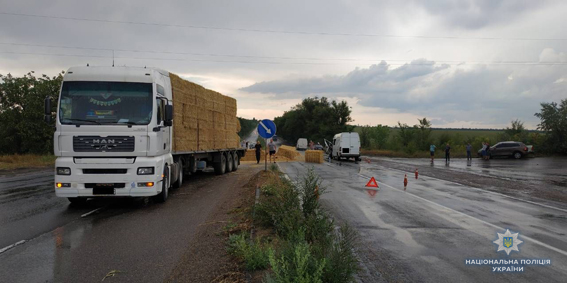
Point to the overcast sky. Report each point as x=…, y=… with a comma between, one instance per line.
x=460, y=63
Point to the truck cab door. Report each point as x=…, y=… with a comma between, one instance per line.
x=162, y=131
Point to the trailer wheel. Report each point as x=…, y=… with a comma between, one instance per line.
x=220, y=167
x=179, y=181
x=229, y=162
x=236, y=161
x=162, y=197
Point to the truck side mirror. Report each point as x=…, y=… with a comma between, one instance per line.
x=47, y=110
x=168, y=115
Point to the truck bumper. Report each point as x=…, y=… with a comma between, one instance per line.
x=128, y=183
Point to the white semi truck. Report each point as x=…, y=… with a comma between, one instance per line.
x=117, y=134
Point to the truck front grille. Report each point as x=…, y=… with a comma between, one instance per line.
x=103, y=144
x=105, y=171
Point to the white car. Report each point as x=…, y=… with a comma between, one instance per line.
x=346, y=145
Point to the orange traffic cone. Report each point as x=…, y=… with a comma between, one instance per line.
x=416, y=173
x=405, y=181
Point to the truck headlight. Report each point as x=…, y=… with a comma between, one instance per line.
x=145, y=170
x=63, y=171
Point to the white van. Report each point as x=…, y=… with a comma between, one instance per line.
x=301, y=144
x=346, y=145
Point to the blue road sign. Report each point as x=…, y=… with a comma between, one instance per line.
x=266, y=128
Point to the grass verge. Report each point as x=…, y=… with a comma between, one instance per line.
x=10, y=162
x=295, y=238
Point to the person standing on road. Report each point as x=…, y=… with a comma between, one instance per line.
x=447, y=153
x=432, y=152
x=483, y=151
x=258, y=148
x=487, y=151
x=272, y=149
x=469, y=148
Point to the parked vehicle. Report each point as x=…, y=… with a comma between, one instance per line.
x=318, y=147
x=117, y=134
x=301, y=144
x=275, y=138
x=346, y=145
x=513, y=149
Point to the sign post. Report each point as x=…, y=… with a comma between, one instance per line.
x=266, y=129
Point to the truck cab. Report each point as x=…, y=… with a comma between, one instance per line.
x=113, y=133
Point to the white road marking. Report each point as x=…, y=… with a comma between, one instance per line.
x=490, y=192
x=480, y=220
x=12, y=246
x=91, y=212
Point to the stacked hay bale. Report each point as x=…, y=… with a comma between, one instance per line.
x=314, y=156
x=203, y=119
x=288, y=152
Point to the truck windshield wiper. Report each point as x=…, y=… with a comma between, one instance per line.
x=83, y=120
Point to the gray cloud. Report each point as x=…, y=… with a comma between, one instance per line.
x=488, y=94
x=475, y=14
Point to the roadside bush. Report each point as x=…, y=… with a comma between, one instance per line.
x=342, y=263
x=255, y=256
x=282, y=210
x=309, y=190
x=296, y=264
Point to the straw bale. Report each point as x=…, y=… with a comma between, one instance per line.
x=219, y=122
x=314, y=156
x=238, y=126
x=203, y=119
x=289, y=152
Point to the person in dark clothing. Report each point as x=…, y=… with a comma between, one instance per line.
x=258, y=148
x=447, y=153
x=469, y=149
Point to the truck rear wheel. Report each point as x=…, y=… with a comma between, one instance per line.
x=229, y=162
x=236, y=161
x=162, y=197
x=220, y=167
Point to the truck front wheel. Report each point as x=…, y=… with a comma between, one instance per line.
x=162, y=197
x=220, y=166
x=179, y=181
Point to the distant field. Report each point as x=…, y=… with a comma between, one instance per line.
x=437, y=133
x=10, y=162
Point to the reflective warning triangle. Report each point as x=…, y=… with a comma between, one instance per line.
x=372, y=183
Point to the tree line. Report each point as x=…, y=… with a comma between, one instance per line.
x=314, y=119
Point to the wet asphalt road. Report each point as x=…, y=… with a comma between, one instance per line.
x=426, y=233
x=142, y=240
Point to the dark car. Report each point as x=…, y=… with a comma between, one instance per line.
x=508, y=148
x=318, y=147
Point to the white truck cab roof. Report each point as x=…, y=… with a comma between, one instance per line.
x=114, y=74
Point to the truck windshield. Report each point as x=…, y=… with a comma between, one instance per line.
x=106, y=103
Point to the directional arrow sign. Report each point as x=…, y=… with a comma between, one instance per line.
x=266, y=128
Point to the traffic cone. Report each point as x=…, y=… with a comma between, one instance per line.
x=416, y=173
x=405, y=181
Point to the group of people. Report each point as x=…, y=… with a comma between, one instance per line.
x=271, y=148
x=448, y=152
